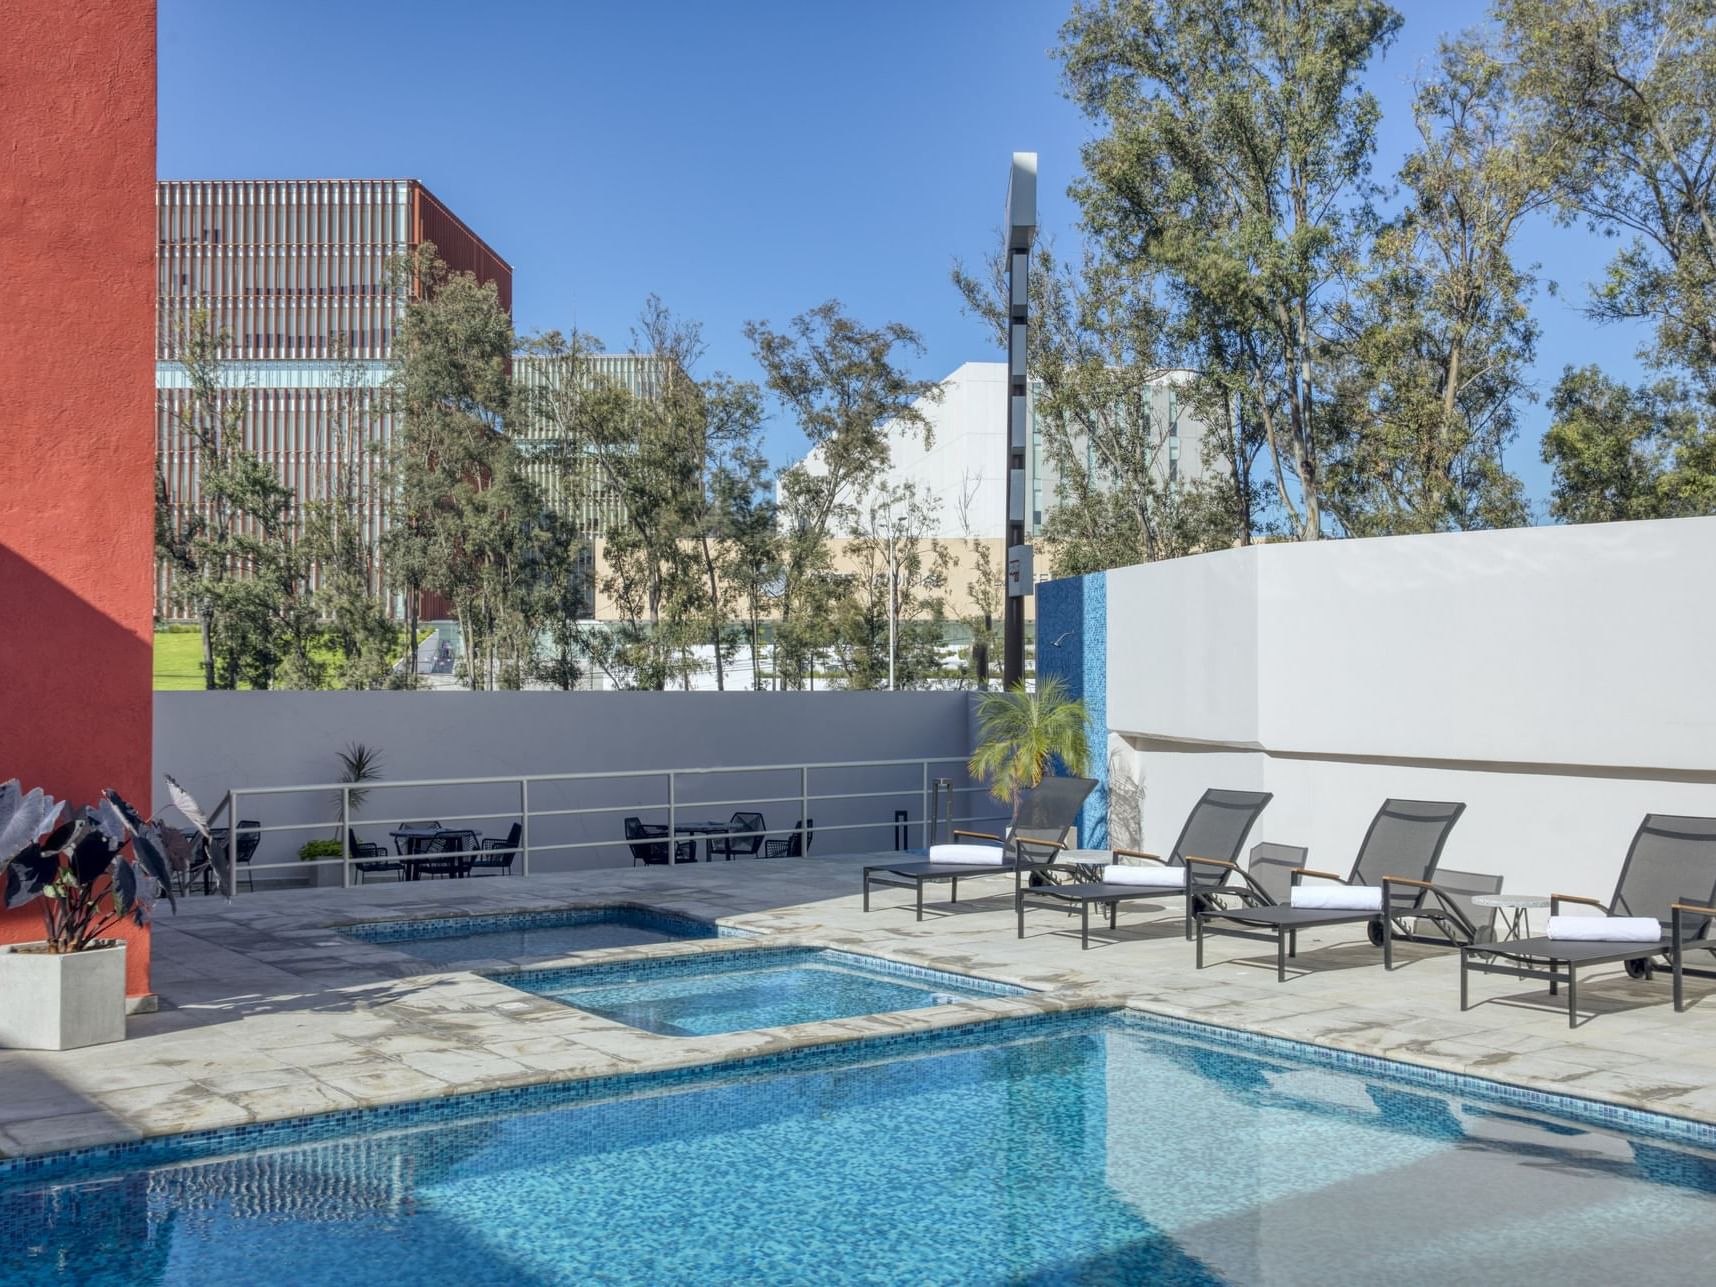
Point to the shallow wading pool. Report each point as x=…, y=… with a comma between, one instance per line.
x=1057, y=1149
x=730, y=991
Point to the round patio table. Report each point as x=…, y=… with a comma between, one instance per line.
x=1513, y=908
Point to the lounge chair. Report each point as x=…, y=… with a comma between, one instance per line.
x=1669, y=877
x=1045, y=814
x=1389, y=885
x=1216, y=827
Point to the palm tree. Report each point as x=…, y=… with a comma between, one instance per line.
x=1021, y=732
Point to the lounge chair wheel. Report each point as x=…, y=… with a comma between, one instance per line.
x=1640, y=968
x=1374, y=932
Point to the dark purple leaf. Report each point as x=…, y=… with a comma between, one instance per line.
x=124, y=886
x=92, y=854
x=110, y=820
x=131, y=816
x=150, y=846
x=24, y=818
x=59, y=837
x=28, y=874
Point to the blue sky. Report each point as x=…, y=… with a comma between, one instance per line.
x=743, y=160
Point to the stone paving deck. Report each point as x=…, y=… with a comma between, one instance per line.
x=268, y=1012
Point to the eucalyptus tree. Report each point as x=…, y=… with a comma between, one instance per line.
x=1442, y=333
x=889, y=626
x=846, y=386
x=234, y=554
x=452, y=392
x=1231, y=171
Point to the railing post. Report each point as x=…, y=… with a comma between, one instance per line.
x=926, y=812
x=524, y=826
x=803, y=811
x=232, y=847
x=672, y=821
x=345, y=837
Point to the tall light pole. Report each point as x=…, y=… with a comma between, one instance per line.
x=1021, y=230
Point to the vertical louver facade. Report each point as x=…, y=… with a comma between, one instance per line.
x=295, y=275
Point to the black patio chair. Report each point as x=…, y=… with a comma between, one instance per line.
x=649, y=844
x=1046, y=814
x=447, y=856
x=1215, y=828
x=372, y=859
x=797, y=845
x=1669, y=875
x=1397, y=858
x=405, y=846
x=249, y=838
x=497, y=855
x=743, y=839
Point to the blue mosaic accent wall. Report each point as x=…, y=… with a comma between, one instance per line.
x=1072, y=646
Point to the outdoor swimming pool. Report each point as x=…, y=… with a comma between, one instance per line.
x=448, y=940
x=694, y=996
x=1062, y=1149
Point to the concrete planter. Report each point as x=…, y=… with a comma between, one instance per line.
x=61, y=1001
x=327, y=875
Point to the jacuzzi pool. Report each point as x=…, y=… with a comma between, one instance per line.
x=449, y=940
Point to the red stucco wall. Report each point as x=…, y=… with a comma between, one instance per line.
x=77, y=333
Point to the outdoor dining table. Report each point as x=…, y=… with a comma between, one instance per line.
x=694, y=829
x=409, y=842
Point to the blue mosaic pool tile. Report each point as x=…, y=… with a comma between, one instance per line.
x=635, y=915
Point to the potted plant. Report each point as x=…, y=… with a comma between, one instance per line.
x=1021, y=734
x=91, y=872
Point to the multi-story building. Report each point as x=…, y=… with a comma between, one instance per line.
x=295, y=274
x=961, y=473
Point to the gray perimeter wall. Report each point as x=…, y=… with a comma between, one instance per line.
x=214, y=742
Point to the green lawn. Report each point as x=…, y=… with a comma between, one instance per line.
x=179, y=658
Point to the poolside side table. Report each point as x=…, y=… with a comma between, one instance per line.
x=1513, y=908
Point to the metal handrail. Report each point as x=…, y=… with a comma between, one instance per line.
x=673, y=805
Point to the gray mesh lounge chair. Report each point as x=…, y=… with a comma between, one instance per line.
x=1216, y=828
x=1669, y=874
x=1399, y=855
x=1046, y=813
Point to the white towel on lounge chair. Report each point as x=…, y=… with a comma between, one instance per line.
x=1153, y=875
x=1606, y=929
x=1336, y=898
x=968, y=855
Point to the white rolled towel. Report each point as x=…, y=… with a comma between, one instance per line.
x=1606, y=929
x=1337, y=898
x=968, y=855
x=1153, y=876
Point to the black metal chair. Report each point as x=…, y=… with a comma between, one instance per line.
x=457, y=848
x=405, y=846
x=744, y=838
x=497, y=855
x=649, y=844
x=372, y=859
x=249, y=838
x=796, y=845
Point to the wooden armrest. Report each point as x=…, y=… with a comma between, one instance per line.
x=1139, y=853
x=1312, y=871
x=977, y=835
x=1575, y=898
x=1211, y=862
x=1695, y=907
x=1407, y=880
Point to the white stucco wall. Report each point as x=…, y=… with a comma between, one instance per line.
x=213, y=742
x=1557, y=680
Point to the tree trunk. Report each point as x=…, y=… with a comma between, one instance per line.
x=205, y=624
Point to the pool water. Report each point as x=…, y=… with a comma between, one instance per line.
x=734, y=991
x=449, y=940
x=1087, y=1150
